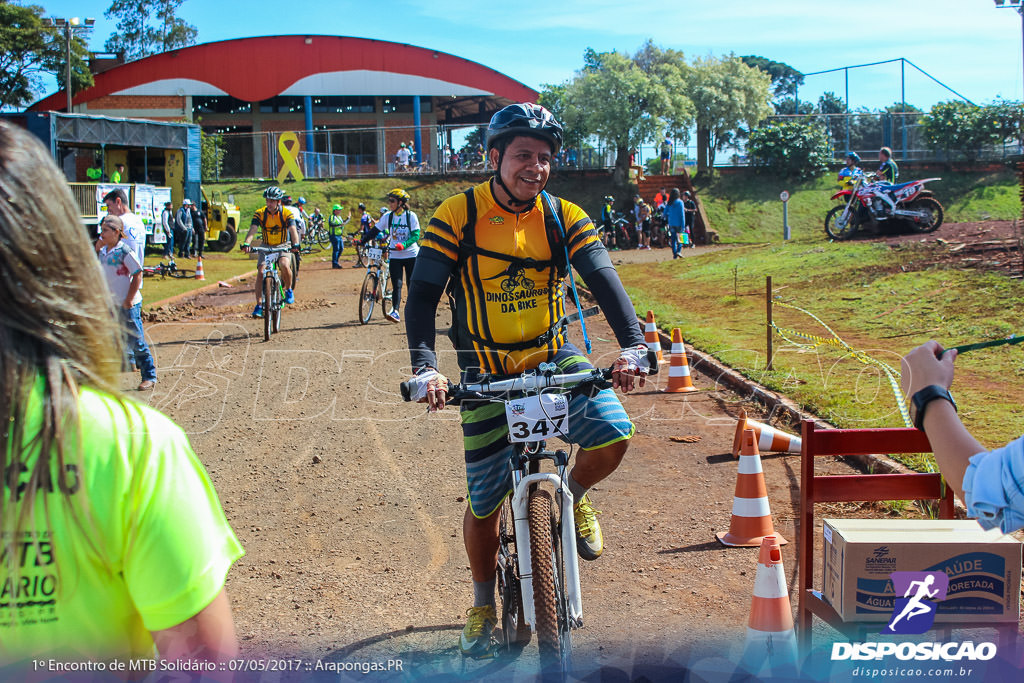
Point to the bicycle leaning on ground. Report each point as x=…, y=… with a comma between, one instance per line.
x=273, y=291
x=167, y=270
x=538, y=565
x=377, y=284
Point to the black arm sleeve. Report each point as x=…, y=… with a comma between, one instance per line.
x=615, y=304
x=429, y=277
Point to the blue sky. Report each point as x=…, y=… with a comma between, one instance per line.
x=970, y=45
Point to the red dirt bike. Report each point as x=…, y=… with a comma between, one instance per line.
x=869, y=204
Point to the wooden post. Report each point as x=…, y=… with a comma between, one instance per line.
x=768, y=316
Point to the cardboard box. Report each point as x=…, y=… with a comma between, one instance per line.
x=984, y=567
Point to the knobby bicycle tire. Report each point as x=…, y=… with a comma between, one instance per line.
x=322, y=238
x=387, y=302
x=278, y=305
x=182, y=273
x=515, y=632
x=542, y=566
x=268, y=305
x=368, y=296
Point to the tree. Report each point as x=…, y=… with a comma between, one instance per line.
x=624, y=101
x=956, y=127
x=727, y=94
x=28, y=50
x=785, y=81
x=146, y=27
x=211, y=154
x=794, y=148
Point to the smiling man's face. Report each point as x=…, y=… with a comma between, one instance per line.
x=525, y=167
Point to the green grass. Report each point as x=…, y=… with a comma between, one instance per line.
x=216, y=266
x=744, y=207
x=878, y=300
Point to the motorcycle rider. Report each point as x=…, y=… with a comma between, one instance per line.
x=888, y=172
x=848, y=176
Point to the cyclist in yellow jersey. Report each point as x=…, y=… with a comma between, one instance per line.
x=503, y=245
x=278, y=225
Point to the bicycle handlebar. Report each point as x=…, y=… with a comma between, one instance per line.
x=528, y=382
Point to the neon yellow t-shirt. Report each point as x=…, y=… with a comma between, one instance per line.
x=155, y=549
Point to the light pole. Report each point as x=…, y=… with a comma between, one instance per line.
x=68, y=25
x=1019, y=6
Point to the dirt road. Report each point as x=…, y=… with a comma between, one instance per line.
x=349, y=502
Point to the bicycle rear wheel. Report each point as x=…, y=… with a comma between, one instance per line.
x=549, y=604
x=278, y=304
x=296, y=259
x=182, y=273
x=268, y=299
x=368, y=296
x=322, y=238
x=386, y=300
x=515, y=632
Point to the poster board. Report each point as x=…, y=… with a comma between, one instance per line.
x=161, y=195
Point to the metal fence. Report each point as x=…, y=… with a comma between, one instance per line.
x=440, y=149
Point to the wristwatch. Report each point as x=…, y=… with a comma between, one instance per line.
x=920, y=400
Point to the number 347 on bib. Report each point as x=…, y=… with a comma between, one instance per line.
x=535, y=418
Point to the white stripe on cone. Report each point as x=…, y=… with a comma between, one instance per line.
x=750, y=464
x=679, y=371
x=770, y=582
x=677, y=347
x=750, y=507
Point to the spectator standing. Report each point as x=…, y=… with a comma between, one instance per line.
x=666, y=155
x=123, y=273
x=118, y=175
x=183, y=219
x=690, y=209
x=675, y=215
x=402, y=157
x=336, y=230
x=608, y=222
x=199, y=229
x=95, y=172
x=167, y=224
x=116, y=202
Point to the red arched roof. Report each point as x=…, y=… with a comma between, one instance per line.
x=255, y=69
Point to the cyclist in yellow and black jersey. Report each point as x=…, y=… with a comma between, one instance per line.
x=278, y=225
x=506, y=245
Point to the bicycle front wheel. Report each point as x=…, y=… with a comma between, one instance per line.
x=368, y=297
x=182, y=273
x=268, y=306
x=387, y=304
x=548, y=591
x=322, y=238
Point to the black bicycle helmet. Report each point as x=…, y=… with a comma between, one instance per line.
x=361, y=206
x=524, y=119
x=273, y=192
x=854, y=156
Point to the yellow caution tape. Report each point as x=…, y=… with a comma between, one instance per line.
x=836, y=341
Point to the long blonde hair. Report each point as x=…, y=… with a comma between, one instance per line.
x=57, y=326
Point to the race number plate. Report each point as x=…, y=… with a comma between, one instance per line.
x=373, y=253
x=535, y=418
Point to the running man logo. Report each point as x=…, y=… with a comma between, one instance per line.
x=914, y=613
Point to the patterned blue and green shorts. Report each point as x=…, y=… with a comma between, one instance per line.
x=594, y=422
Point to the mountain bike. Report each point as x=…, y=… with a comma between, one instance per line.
x=273, y=290
x=538, y=566
x=316, y=237
x=167, y=270
x=373, y=289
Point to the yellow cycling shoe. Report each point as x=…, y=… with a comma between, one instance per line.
x=475, y=640
x=589, y=541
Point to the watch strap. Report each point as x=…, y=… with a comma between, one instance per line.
x=922, y=398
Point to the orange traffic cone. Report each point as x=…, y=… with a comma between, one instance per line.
x=199, y=270
x=771, y=640
x=651, y=336
x=751, y=519
x=679, y=368
x=768, y=438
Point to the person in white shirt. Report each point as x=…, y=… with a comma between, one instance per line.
x=402, y=157
x=123, y=272
x=404, y=229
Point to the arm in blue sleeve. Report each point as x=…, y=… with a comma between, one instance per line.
x=595, y=267
x=994, y=487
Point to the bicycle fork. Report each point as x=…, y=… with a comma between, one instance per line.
x=520, y=505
